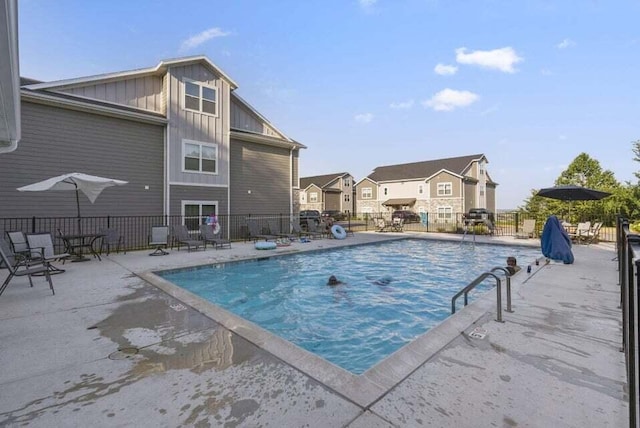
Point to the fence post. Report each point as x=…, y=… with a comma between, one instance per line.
x=33, y=224
x=517, y=216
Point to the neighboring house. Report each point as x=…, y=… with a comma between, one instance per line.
x=327, y=192
x=177, y=132
x=440, y=187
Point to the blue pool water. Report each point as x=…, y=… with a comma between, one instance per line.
x=392, y=292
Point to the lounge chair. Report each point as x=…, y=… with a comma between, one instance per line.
x=111, y=238
x=159, y=238
x=297, y=230
x=274, y=229
x=315, y=230
x=528, y=229
x=14, y=262
x=41, y=247
x=207, y=234
x=581, y=230
x=256, y=232
x=181, y=237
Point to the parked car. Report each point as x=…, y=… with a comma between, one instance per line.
x=334, y=214
x=480, y=214
x=406, y=215
x=309, y=215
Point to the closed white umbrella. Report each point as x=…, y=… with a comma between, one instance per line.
x=90, y=185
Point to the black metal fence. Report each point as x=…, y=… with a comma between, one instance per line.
x=628, y=247
x=135, y=229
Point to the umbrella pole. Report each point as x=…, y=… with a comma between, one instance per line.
x=78, y=206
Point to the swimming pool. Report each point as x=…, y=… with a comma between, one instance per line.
x=391, y=293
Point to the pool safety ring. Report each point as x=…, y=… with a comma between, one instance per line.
x=216, y=228
x=265, y=245
x=338, y=231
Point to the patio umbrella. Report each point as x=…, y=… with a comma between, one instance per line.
x=572, y=193
x=90, y=185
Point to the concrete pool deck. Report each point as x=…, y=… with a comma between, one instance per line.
x=111, y=349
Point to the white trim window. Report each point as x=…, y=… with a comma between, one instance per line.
x=481, y=190
x=346, y=182
x=420, y=189
x=313, y=197
x=445, y=189
x=445, y=213
x=386, y=191
x=200, y=97
x=199, y=157
x=347, y=197
x=194, y=213
x=303, y=197
x=367, y=193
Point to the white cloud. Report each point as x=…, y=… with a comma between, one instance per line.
x=566, y=43
x=502, y=59
x=364, y=117
x=200, y=38
x=367, y=4
x=401, y=105
x=445, y=70
x=450, y=99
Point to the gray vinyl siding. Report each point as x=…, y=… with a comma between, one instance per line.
x=141, y=92
x=367, y=183
x=56, y=141
x=332, y=201
x=190, y=125
x=263, y=170
x=243, y=118
x=469, y=196
x=198, y=193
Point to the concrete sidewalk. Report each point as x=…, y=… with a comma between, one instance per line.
x=110, y=349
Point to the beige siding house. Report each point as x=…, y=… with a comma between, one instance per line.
x=440, y=187
x=177, y=132
x=327, y=192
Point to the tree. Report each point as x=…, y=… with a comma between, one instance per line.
x=587, y=172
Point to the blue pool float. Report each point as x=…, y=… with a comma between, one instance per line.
x=338, y=231
x=265, y=245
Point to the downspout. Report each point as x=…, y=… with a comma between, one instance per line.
x=291, y=183
x=167, y=138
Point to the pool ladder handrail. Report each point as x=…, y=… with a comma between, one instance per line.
x=473, y=284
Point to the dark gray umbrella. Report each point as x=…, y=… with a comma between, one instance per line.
x=572, y=193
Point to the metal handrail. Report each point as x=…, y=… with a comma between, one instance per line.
x=507, y=275
x=473, y=284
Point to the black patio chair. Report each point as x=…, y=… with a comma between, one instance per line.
x=208, y=234
x=159, y=238
x=14, y=262
x=181, y=237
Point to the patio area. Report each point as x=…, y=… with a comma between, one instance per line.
x=111, y=349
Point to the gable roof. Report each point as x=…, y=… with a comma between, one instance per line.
x=158, y=70
x=417, y=170
x=320, y=180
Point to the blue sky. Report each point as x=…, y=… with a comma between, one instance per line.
x=531, y=84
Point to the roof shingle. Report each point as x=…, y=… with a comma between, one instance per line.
x=407, y=171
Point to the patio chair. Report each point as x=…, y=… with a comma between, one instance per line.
x=19, y=244
x=111, y=238
x=528, y=229
x=207, y=234
x=13, y=262
x=159, y=238
x=591, y=235
x=41, y=247
x=381, y=225
x=256, y=233
x=181, y=236
x=397, y=224
x=581, y=230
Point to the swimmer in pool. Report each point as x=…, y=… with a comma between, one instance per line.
x=333, y=281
